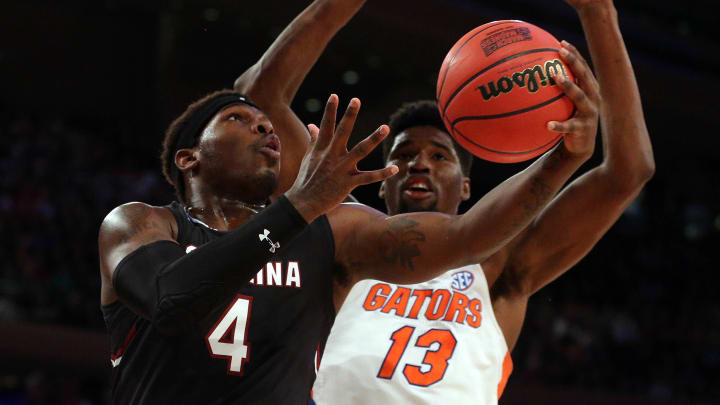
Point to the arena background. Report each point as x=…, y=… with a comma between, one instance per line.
x=87, y=88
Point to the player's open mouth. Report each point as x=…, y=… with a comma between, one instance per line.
x=271, y=147
x=417, y=187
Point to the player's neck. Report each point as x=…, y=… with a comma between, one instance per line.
x=220, y=213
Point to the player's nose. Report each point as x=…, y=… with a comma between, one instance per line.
x=419, y=164
x=262, y=125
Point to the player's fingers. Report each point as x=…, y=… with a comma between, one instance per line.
x=327, y=125
x=580, y=68
x=375, y=176
x=573, y=125
x=574, y=61
x=584, y=105
x=345, y=127
x=313, y=130
x=572, y=50
x=364, y=147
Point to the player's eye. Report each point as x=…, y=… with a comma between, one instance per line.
x=403, y=156
x=439, y=156
x=236, y=117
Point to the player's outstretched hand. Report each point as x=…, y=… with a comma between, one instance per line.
x=329, y=172
x=580, y=130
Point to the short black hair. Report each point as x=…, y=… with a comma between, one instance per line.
x=172, y=137
x=422, y=113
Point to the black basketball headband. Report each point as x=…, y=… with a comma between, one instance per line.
x=195, y=124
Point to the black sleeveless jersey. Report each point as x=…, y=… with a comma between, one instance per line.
x=257, y=346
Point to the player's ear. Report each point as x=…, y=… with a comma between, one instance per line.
x=186, y=159
x=465, y=191
x=381, y=192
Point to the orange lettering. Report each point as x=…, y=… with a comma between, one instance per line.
x=398, y=302
x=419, y=300
x=374, y=300
x=476, y=309
x=436, y=310
x=457, y=305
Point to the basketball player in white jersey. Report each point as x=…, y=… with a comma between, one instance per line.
x=448, y=340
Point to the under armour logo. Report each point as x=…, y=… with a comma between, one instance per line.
x=273, y=245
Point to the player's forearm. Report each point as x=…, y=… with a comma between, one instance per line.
x=563, y=233
x=281, y=70
x=510, y=207
x=627, y=148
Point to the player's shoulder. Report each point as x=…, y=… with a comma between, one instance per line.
x=129, y=216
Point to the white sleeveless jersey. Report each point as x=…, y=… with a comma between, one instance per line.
x=430, y=343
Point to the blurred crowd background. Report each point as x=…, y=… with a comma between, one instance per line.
x=87, y=88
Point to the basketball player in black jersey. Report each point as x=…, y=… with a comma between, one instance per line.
x=218, y=298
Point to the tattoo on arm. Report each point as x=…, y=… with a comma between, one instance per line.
x=540, y=190
x=541, y=193
x=555, y=157
x=137, y=217
x=398, y=244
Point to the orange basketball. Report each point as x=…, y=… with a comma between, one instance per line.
x=496, y=94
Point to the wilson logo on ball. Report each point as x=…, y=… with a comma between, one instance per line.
x=530, y=78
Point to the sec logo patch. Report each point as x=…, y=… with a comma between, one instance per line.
x=462, y=280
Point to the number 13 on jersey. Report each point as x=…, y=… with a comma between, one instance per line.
x=437, y=359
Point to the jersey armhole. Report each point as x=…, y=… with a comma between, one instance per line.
x=178, y=212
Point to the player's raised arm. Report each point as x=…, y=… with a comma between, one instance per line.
x=416, y=247
x=576, y=219
x=273, y=81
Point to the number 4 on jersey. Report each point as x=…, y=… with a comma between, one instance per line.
x=227, y=338
x=436, y=359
